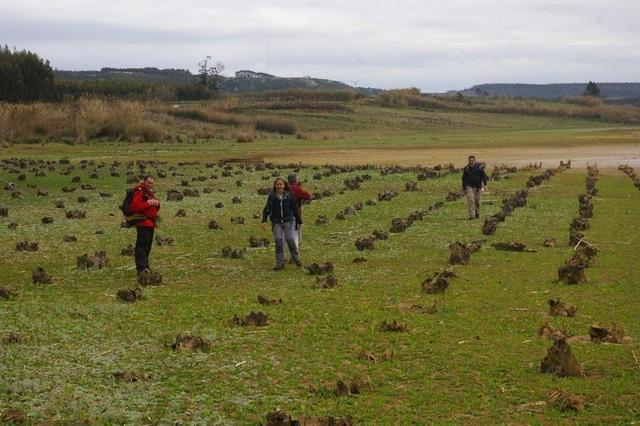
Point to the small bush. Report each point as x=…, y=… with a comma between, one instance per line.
x=276, y=125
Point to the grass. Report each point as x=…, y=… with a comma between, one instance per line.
x=474, y=361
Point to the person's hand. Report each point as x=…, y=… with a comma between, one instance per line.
x=297, y=226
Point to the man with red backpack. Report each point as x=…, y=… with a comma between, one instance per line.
x=145, y=204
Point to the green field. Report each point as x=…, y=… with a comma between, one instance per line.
x=469, y=355
x=474, y=360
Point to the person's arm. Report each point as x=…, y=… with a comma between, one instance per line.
x=300, y=193
x=464, y=177
x=485, y=178
x=266, y=212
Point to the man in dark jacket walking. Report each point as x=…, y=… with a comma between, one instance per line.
x=300, y=195
x=474, y=181
x=144, y=202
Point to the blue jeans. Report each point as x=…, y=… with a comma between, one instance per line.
x=284, y=232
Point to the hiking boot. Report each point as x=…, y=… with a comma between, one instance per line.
x=278, y=267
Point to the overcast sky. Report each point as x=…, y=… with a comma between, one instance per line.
x=434, y=45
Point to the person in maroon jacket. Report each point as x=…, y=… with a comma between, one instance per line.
x=299, y=195
x=144, y=202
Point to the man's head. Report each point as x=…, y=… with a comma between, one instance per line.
x=471, y=160
x=292, y=179
x=148, y=181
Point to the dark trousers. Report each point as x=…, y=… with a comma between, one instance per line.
x=144, y=241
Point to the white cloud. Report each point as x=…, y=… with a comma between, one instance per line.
x=433, y=45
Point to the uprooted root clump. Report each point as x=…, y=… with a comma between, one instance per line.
x=27, y=246
x=330, y=281
x=98, y=260
x=387, y=355
x=393, y=326
x=258, y=242
x=232, y=253
x=190, y=343
x=130, y=376
x=560, y=360
x=558, y=308
x=164, y=241
x=600, y=334
x=439, y=282
x=40, y=276
x=256, y=319
x=317, y=269
x=353, y=387
x=7, y=293
x=149, y=277
x=263, y=300
x=128, y=250
x=461, y=252
x=281, y=418
x=511, y=246
x=129, y=295
x=566, y=401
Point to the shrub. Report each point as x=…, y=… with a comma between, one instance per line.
x=276, y=125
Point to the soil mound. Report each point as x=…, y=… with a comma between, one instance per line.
x=98, y=260
x=27, y=246
x=461, y=252
x=76, y=214
x=263, y=300
x=7, y=293
x=393, y=326
x=560, y=360
x=40, y=276
x=316, y=269
x=164, y=241
x=558, y=308
x=601, y=334
x=149, y=277
x=439, y=282
x=130, y=376
x=187, y=342
x=330, y=281
x=566, y=401
x=128, y=251
x=232, y=253
x=258, y=242
x=129, y=296
x=256, y=319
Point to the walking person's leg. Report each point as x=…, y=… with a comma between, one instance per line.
x=471, y=202
x=289, y=235
x=478, y=194
x=144, y=240
x=278, y=237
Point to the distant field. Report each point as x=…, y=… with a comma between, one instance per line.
x=469, y=355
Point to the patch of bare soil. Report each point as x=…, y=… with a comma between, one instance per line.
x=130, y=376
x=189, y=342
x=75, y=214
x=256, y=319
x=558, y=308
x=263, y=300
x=566, y=401
x=317, y=269
x=214, y=225
x=129, y=295
x=393, y=326
x=560, y=360
x=181, y=213
x=40, y=276
x=98, y=260
x=511, y=246
x=14, y=416
x=600, y=334
x=353, y=387
x=47, y=220
x=12, y=339
x=359, y=260
x=365, y=243
x=70, y=239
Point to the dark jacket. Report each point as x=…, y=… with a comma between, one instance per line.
x=140, y=205
x=474, y=177
x=281, y=210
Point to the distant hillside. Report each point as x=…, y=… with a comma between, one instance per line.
x=610, y=91
x=244, y=81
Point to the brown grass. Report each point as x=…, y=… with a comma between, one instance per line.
x=276, y=125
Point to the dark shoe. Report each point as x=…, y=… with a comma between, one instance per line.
x=477, y=215
x=298, y=262
x=278, y=267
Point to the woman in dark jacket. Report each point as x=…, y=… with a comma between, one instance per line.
x=282, y=209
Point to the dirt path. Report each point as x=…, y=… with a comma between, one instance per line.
x=605, y=156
